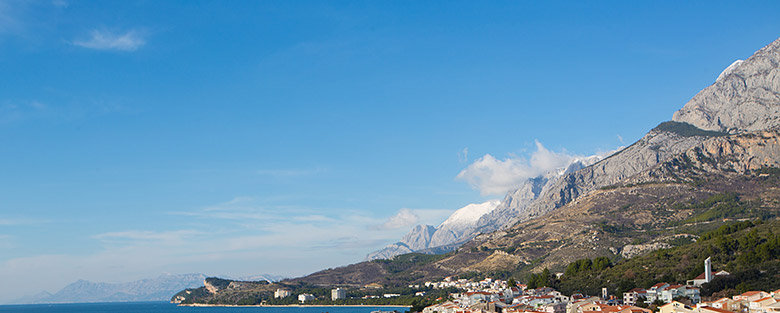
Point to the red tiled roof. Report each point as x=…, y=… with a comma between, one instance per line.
x=762, y=299
x=750, y=293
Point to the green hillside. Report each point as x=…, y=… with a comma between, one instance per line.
x=749, y=250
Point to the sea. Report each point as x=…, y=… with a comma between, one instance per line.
x=165, y=307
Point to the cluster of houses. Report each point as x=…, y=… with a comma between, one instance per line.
x=662, y=291
x=496, y=296
x=486, y=284
x=547, y=300
x=520, y=299
x=748, y=302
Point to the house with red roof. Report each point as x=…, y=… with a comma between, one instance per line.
x=760, y=305
x=751, y=296
x=725, y=304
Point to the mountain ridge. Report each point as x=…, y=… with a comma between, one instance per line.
x=151, y=289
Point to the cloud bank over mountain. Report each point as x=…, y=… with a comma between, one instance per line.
x=493, y=176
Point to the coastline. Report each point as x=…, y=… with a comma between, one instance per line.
x=296, y=305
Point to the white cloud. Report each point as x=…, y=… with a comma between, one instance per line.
x=404, y=219
x=105, y=40
x=493, y=176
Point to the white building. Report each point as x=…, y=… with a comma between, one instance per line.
x=305, y=297
x=338, y=293
x=282, y=293
x=707, y=276
x=633, y=296
x=668, y=294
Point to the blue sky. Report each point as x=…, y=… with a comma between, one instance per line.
x=237, y=138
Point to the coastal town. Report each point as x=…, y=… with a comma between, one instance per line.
x=500, y=296
x=496, y=296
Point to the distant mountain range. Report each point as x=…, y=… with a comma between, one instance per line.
x=154, y=289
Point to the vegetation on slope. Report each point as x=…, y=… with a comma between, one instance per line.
x=750, y=251
x=686, y=130
x=395, y=275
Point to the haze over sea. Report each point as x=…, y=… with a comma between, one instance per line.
x=165, y=307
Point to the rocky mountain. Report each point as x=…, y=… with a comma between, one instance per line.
x=416, y=239
x=156, y=289
x=743, y=98
x=446, y=237
x=458, y=227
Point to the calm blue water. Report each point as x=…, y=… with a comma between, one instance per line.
x=164, y=307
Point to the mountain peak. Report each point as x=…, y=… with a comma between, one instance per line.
x=469, y=214
x=743, y=98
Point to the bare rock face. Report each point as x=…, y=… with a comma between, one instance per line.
x=630, y=251
x=419, y=237
x=745, y=97
x=416, y=239
x=740, y=154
